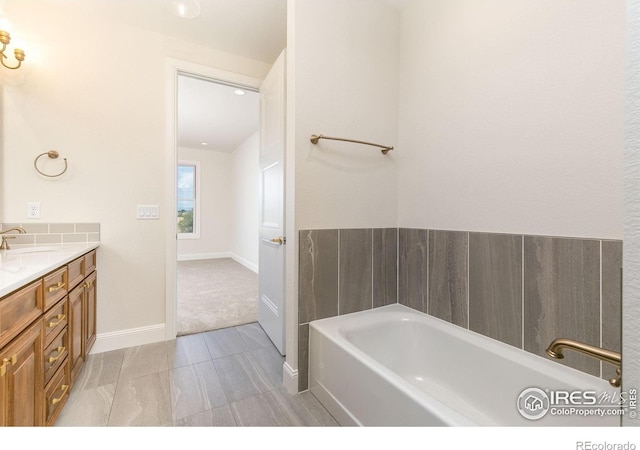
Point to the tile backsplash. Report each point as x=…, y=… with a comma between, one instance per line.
x=54, y=233
x=519, y=289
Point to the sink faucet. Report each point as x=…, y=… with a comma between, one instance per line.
x=555, y=351
x=5, y=244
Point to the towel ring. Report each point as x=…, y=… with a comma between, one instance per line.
x=53, y=155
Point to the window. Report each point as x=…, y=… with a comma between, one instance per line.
x=188, y=183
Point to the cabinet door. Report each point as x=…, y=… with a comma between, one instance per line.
x=90, y=306
x=76, y=333
x=22, y=379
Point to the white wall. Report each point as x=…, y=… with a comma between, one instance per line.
x=96, y=91
x=342, y=80
x=216, y=205
x=346, y=85
x=631, y=289
x=511, y=116
x=244, y=193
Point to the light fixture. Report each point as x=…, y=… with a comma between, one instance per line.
x=187, y=9
x=5, y=39
x=239, y=92
x=204, y=143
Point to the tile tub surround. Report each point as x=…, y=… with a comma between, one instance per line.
x=54, y=233
x=519, y=289
x=343, y=271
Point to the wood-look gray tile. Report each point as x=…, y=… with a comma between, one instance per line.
x=224, y=342
x=448, y=281
x=99, y=370
x=186, y=350
x=355, y=275
x=144, y=360
x=278, y=408
x=254, y=336
x=385, y=266
x=302, y=409
x=413, y=248
x=195, y=388
x=611, y=301
x=142, y=401
x=88, y=407
x=271, y=361
x=562, y=296
x=318, y=275
x=495, y=286
x=259, y=410
x=217, y=417
x=303, y=357
x=241, y=377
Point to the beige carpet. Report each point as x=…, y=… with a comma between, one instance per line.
x=215, y=293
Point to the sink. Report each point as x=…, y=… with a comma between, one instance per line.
x=20, y=251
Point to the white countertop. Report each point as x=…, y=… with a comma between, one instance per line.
x=23, y=264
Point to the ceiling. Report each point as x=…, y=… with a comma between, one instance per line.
x=212, y=113
x=255, y=29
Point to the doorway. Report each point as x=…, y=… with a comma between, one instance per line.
x=216, y=204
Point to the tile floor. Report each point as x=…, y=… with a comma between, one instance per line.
x=228, y=377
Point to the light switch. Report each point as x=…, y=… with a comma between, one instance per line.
x=148, y=212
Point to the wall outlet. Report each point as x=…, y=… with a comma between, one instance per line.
x=33, y=210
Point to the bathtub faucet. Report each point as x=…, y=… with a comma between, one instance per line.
x=555, y=351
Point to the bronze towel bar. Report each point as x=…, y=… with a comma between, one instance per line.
x=316, y=137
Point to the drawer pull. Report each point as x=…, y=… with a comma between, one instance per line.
x=57, y=287
x=60, y=318
x=88, y=284
x=60, y=351
x=64, y=388
x=5, y=362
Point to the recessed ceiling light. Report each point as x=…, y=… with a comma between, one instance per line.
x=204, y=143
x=239, y=92
x=187, y=9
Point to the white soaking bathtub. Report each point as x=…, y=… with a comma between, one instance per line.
x=395, y=366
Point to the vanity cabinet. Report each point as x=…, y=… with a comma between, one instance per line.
x=22, y=379
x=47, y=329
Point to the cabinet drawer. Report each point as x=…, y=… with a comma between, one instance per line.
x=55, y=320
x=18, y=310
x=90, y=261
x=55, y=287
x=75, y=272
x=55, y=354
x=56, y=394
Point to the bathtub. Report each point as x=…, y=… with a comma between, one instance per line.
x=395, y=366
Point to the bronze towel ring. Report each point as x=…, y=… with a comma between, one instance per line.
x=53, y=155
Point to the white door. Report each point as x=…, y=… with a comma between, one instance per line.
x=271, y=305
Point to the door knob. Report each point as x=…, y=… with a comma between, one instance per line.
x=279, y=240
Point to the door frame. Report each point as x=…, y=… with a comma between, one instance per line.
x=174, y=68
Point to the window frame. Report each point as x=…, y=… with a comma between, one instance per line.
x=196, y=201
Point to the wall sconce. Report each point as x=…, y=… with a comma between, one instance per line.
x=5, y=39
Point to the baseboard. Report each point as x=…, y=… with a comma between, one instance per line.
x=248, y=264
x=290, y=378
x=199, y=256
x=116, y=340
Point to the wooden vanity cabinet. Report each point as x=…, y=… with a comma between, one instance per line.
x=47, y=329
x=76, y=314
x=22, y=378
